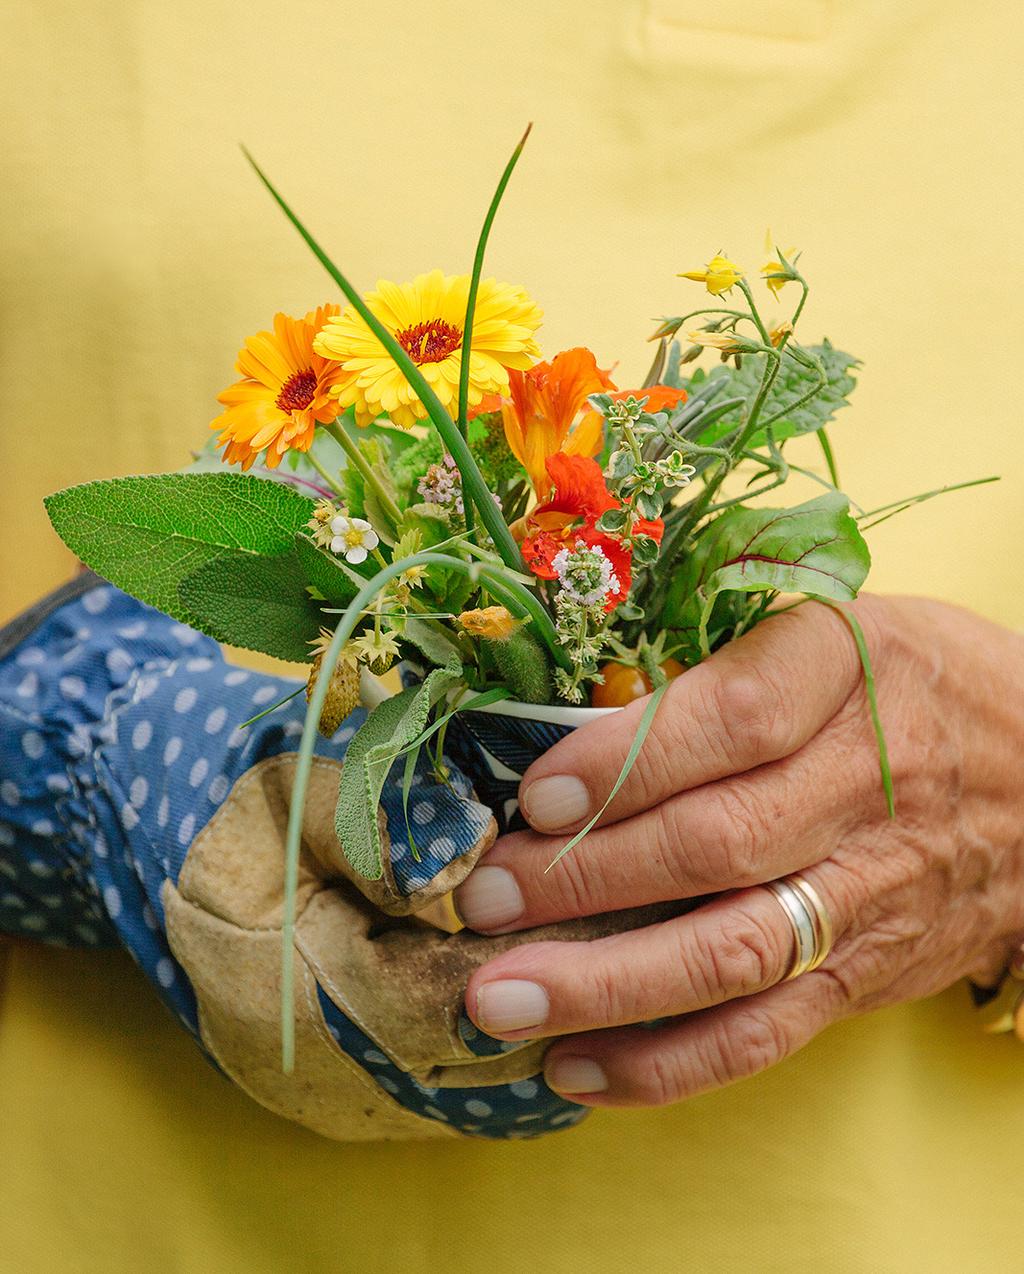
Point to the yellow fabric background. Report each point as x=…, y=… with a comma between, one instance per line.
x=138, y=251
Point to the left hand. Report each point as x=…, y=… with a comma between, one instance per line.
x=762, y=761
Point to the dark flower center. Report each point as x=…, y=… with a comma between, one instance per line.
x=298, y=391
x=429, y=342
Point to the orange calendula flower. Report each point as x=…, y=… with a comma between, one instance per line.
x=544, y=403
x=284, y=394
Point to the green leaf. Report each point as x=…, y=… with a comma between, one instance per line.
x=793, y=382
x=478, y=265
x=814, y=549
x=376, y=515
x=612, y=520
x=147, y=534
x=258, y=603
x=431, y=640
x=388, y=729
x=449, y=588
x=645, y=550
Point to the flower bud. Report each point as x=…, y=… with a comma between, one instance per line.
x=493, y=623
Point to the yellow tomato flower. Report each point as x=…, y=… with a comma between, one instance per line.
x=778, y=271
x=426, y=318
x=719, y=275
x=727, y=342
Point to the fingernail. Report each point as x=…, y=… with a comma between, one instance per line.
x=489, y=898
x=555, y=802
x=511, y=1005
x=575, y=1075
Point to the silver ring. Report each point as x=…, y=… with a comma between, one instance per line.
x=809, y=920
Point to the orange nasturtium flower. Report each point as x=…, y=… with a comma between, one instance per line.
x=545, y=401
x=284, y=394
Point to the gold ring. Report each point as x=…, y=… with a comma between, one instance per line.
x=824, y=920
x=809, y=921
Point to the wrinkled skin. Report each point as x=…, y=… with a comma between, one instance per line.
x=762, y=761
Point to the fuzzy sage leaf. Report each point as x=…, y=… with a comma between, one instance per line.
x=377, y=744
x=147, y=534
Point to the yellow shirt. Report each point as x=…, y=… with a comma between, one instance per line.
x=883, y=140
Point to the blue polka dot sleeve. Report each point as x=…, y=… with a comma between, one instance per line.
x=121, y=733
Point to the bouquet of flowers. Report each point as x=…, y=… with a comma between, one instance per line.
x=510, y=529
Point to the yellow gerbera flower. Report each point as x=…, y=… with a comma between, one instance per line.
x=285, y=393
x=426, y=318
x=718, y=276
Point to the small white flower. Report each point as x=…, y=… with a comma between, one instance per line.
x=354, y=537
x=585, y=574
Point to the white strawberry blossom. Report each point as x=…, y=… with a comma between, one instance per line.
x=353, y=537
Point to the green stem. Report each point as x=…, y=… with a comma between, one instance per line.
x=747, y=495
x=804, y=398
x=744, y=287
x=767, y=380
x=356, y=457
x=669, y=327
x=473, y=482
x=803, y=299
x=333, y=483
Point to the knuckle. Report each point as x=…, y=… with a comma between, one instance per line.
x=665, y=754
x=688, y=854
x=663, y=1079
x=743, y=958
x=603, y=998
x=760, y=1042
x=574, y=890
x=746, y=827
x=753, y=713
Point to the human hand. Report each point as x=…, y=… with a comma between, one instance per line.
x=760, y=762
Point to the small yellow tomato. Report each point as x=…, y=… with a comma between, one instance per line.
x=623, y=683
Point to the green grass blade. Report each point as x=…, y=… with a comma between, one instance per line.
x=642, y=730
x=472, y=480
x=273, y=708
x=407, y=777
x=474, y=283
x=830, y=459
x=869, y=684
x=475, y=704
x=900, y=506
